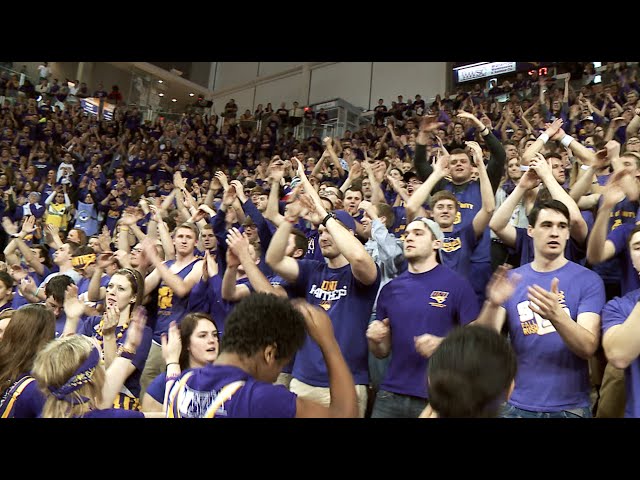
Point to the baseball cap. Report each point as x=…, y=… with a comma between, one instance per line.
x=433, y=226
x=588, y=118
x=346, y=219
x=409, y=175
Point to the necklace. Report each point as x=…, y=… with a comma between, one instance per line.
x=119, y=334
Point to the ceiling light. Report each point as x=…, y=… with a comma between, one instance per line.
x=159, y=81
x=191, y=94
x=174, y=99
x=161, y=94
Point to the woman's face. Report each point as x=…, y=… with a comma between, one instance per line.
x=513, y=169
x=119, y=292
x=59, y=198
x=203, y=344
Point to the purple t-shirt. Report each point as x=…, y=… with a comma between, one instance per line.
x=457, y=247
x=551, y=377
x=349, y=304
x=616, y=312
x=417, y=303
x=619, y=237
x=254, y=399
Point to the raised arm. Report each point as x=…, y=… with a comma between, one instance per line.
x=599, y=249
x=500, y=222
x=579, y=229
x=481, y=219
x=414, y=204
x=362, y=265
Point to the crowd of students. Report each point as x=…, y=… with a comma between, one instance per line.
x=463, y=258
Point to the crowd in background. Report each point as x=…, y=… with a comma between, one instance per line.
x=385, y=240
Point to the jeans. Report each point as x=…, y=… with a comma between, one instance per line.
x=395, y=405
x=509, y=411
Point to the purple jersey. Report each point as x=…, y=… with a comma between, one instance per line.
x=254, y=399
x=616, y=312
x=349, y=304
x=417, y=303
x=551, y=377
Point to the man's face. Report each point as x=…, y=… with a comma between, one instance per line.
x=418, y=242
x=209, y=241
x=327, y=244
x=184, y=241
x=62, y=255
x=460, y=167
x=633, y=144
x=56, y=307
x=94, y=243
x=557, y=168
x=511, y=151
x=630, y=164
x=444, y=212
x=634, y=250
x=550, y=234
x=352, y=201
x=261, y=202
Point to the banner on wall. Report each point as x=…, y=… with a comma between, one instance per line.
x=482, y=70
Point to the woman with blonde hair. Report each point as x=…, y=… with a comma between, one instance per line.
x=124, y=294
x=30, y=329
x=71, y=375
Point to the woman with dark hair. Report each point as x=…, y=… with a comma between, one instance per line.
x=124, y=293
x=30, y=329
x=471, y=374
x=196, y=344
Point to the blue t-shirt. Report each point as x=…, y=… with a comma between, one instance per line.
x=349, y=304
x=629, y=279
x=417, y=303
x=551, y=377
x=28, y=403
x=616, y=312
x=254, y=399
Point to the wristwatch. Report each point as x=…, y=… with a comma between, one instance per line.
x=326, y=219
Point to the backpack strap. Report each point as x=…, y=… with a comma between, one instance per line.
x=12, y=395
x=225, y=394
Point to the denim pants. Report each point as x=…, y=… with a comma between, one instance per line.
x=509, y=411
x=395, y=405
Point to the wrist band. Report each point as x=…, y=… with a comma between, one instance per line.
x=566, y=141
x=585, y=167
x=125, y=353
x=173, y=363
x=544, y=137
x=326, y=219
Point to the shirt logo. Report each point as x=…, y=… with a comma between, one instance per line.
x=327, y=293
x=450, y=244
x=440, y=297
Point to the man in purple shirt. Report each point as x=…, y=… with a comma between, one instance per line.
x=416, y=311
x=345, y=286
x=552, y=308
x=620, y=333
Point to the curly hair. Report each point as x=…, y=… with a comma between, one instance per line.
x=260, y=320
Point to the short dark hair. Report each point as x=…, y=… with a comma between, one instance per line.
x=552, y=204
x=470, y=373
x=260, y=320
x=301, y=240
x=73, y=247
x=57, y=286
x=6, y=279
